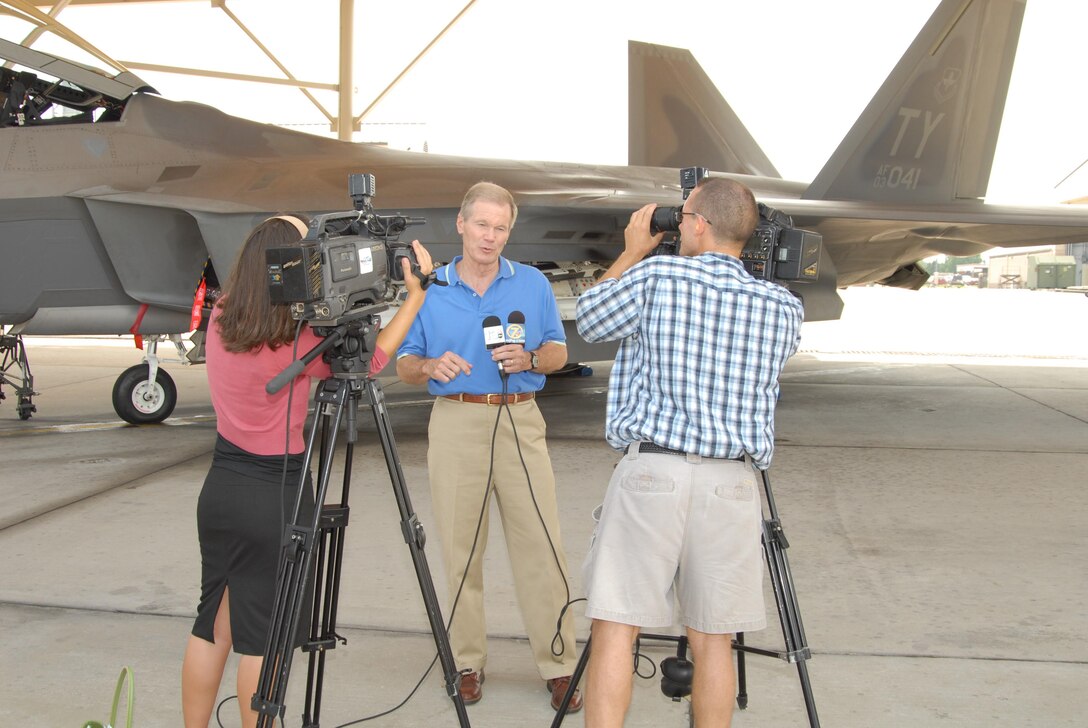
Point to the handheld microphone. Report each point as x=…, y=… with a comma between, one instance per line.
x=515, y=328
x=493, y=334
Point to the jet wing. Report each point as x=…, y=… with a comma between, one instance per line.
x=870, y=243
x=110, y=215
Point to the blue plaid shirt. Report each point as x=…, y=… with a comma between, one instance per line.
x=703, y=345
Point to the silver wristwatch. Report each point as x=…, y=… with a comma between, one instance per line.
x=534, y=361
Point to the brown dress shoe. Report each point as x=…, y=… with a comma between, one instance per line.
x=471, y=687
x=558, y=688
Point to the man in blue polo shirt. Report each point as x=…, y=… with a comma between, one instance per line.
x=691, y=405
x=473, y=449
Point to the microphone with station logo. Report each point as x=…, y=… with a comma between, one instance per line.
x=493, y=335
x=515, y=328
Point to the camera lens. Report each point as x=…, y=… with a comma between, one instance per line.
x=666, y=220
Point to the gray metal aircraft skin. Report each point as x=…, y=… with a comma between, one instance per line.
x=102, y=220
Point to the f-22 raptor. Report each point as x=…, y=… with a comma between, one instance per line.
x=112, y=211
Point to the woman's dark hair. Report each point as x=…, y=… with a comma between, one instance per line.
x=247, y=317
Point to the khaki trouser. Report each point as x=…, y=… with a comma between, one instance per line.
x=459, y=460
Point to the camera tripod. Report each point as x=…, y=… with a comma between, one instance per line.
x=796, y=649
x=337, y=399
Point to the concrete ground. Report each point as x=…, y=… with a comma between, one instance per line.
x=932, y=455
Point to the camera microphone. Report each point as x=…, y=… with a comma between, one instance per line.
x=515, y=328
x=493, y=334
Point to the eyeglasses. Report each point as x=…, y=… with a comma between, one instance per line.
x=696, y=214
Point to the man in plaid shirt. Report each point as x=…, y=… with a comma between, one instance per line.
x=691, y=405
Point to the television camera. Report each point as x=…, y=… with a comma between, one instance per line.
x=777, y=251
x=347, y=263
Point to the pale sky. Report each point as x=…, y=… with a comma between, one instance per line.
x=535, y=79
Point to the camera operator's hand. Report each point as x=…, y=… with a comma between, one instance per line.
x=638, y=242
x=412, y=282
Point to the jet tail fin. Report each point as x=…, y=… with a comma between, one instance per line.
x=677, y=117
x=929, y=134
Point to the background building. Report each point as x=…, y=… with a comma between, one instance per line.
x=1053, y=266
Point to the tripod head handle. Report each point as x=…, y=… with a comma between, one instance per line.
x=295, y=368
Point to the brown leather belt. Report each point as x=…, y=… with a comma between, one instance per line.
x=495, y=399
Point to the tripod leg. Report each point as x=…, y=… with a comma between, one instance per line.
x=742, y=673
x=295, y=563
x=322, y=631
x=574, y=680
x=416, y=539
x=329, y=561
x=789, y=614
x=806, y=690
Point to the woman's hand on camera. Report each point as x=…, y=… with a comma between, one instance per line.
x=412, y=282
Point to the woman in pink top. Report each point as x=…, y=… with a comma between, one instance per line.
x=256, y=467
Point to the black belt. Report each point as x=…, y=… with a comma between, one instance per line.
x=650, y=447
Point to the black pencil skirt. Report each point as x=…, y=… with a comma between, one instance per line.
x=242, y=512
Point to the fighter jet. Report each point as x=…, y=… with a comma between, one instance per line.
x=115, y=203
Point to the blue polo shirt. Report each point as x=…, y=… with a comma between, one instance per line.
x=452, y=319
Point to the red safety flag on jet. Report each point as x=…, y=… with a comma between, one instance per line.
x=135, y=330
x=198, y=304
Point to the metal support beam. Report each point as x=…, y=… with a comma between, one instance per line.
x=345, y=126
x=222, y=5
x=415, y=60
x=40, y=30
x=135, y=65
x=27, y=12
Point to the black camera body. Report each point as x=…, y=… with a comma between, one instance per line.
x=347, y=263
x=777, y=251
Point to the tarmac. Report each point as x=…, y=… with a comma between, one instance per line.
x=930, y=472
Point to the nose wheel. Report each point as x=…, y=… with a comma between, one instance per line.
x=142, y=401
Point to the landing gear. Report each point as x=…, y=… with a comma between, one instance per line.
x=144, y=394
x=141, y=400
x=13, y=359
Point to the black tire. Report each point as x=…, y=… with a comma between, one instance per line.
x=137, y=402
x=25, y=408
